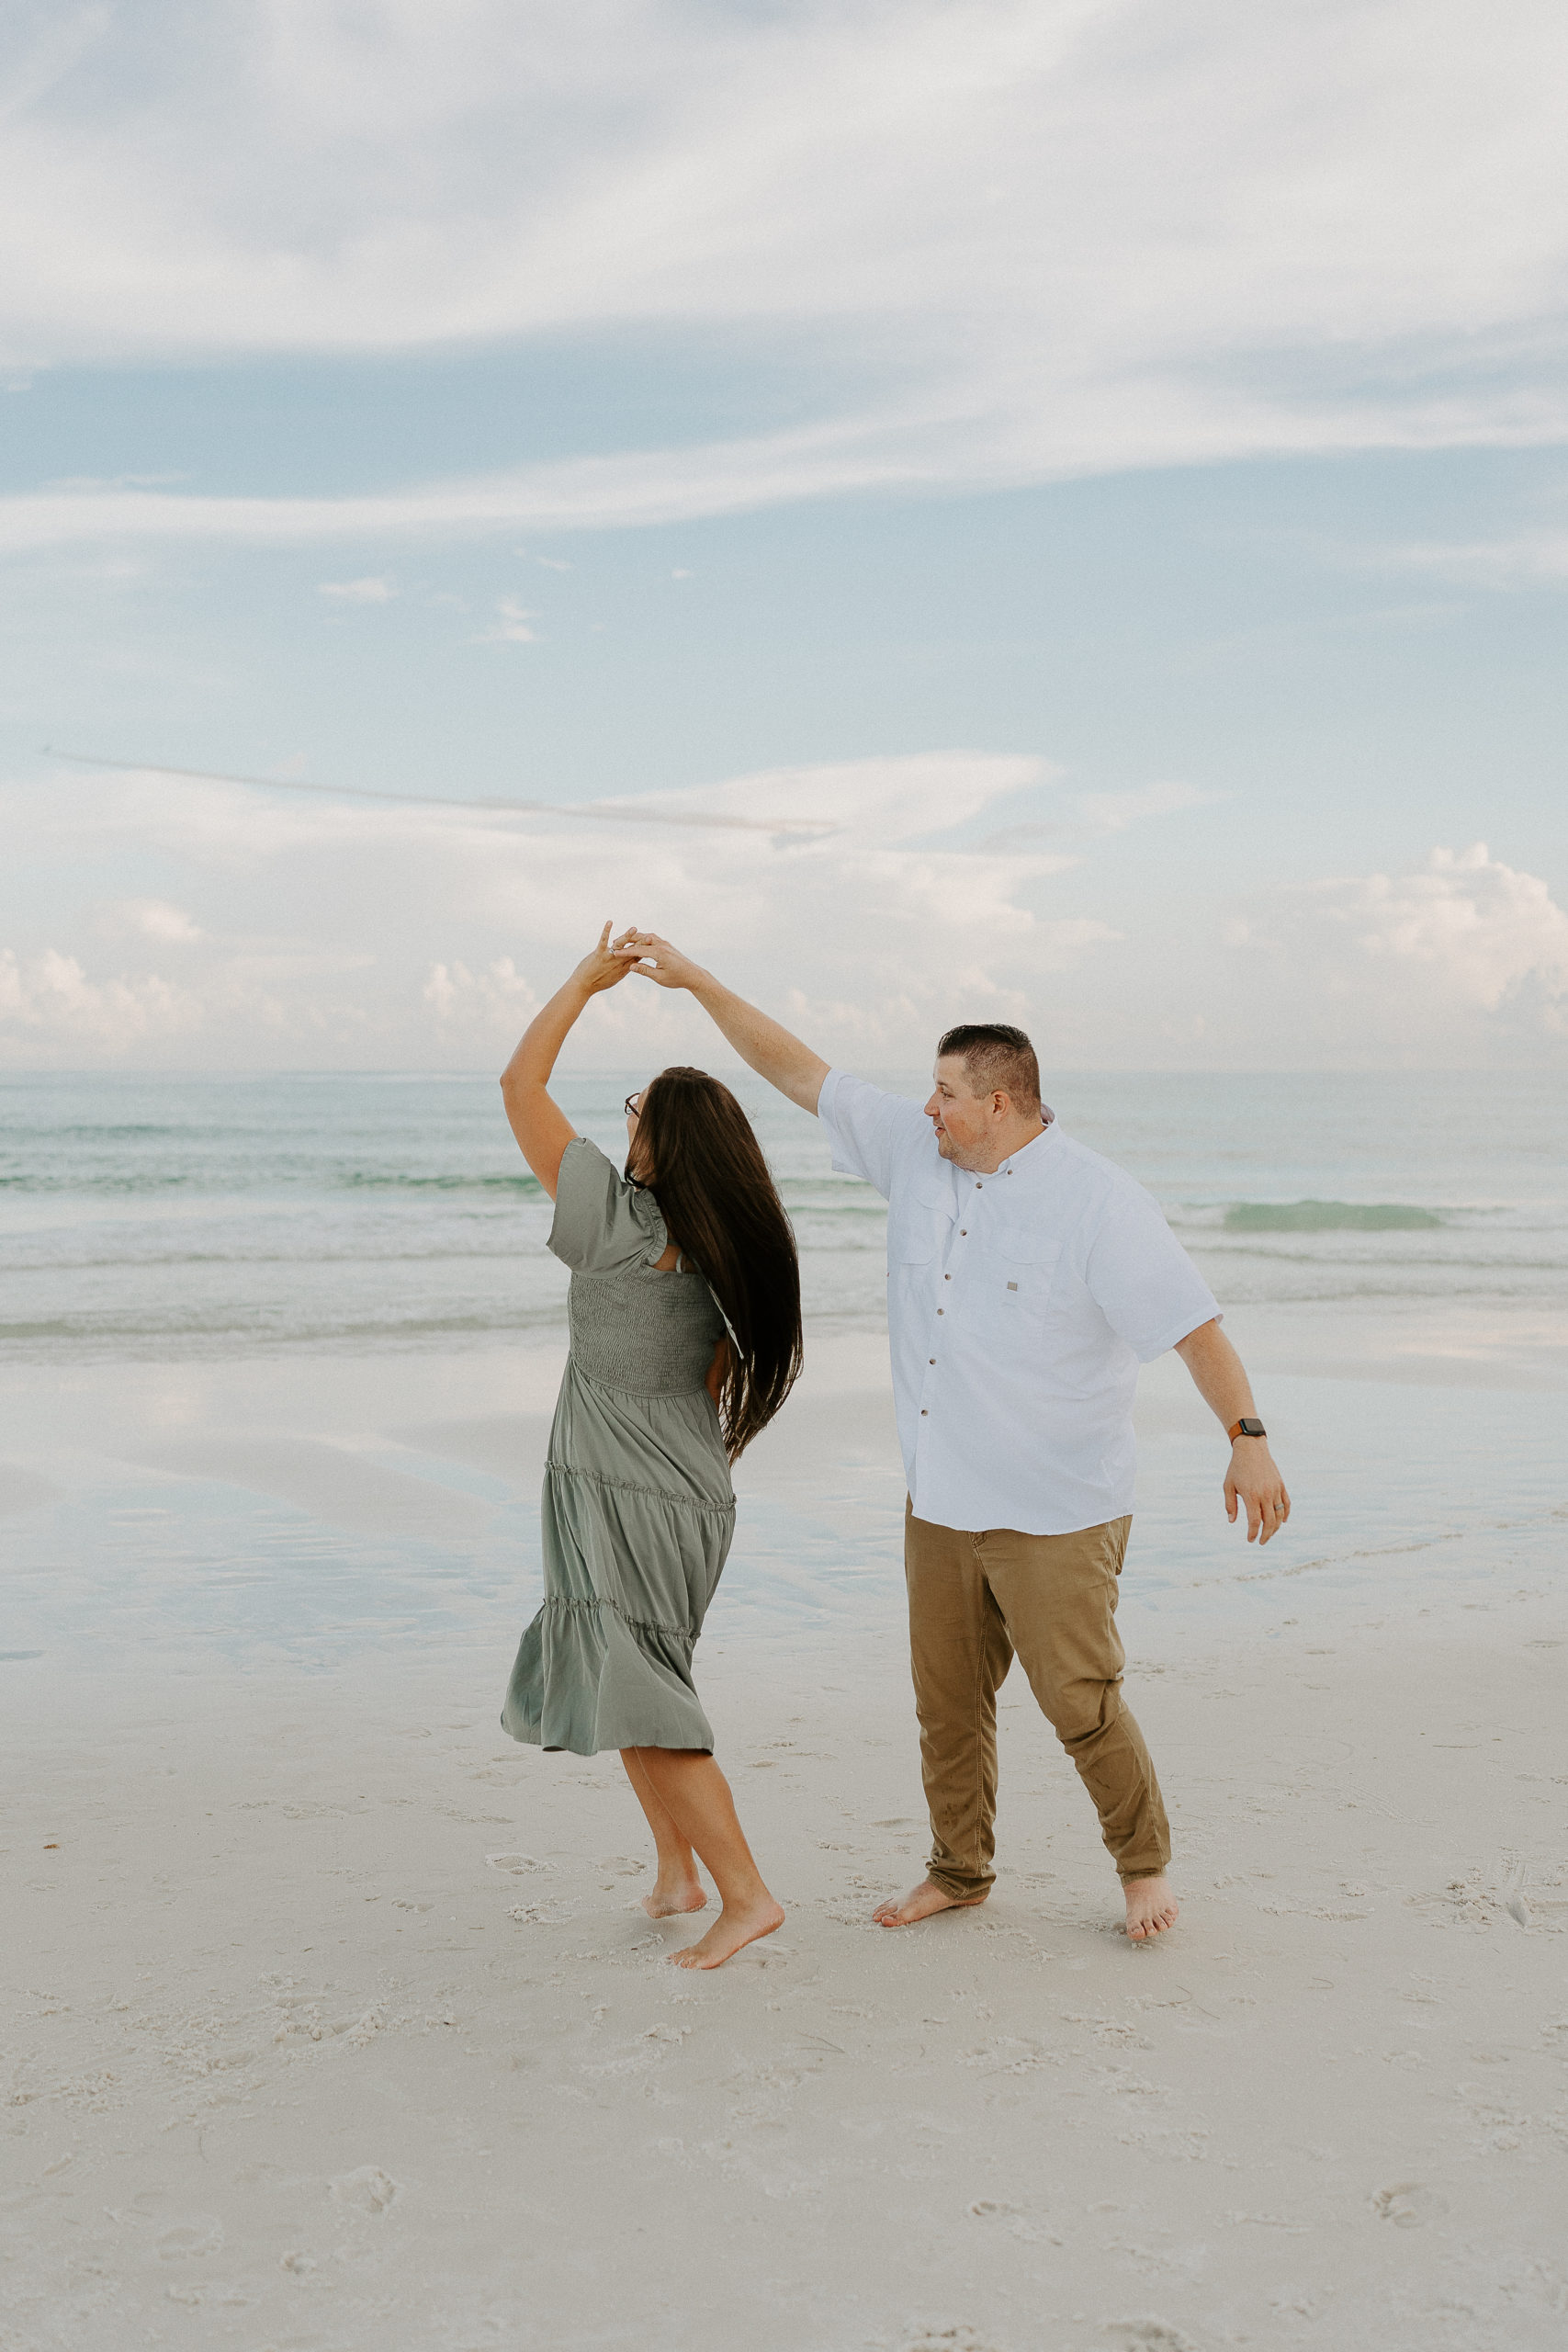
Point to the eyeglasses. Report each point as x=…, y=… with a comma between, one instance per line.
x=631, y=1108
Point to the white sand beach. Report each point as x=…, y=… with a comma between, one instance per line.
x=917, y=528
x=894, y=531
x=333, y=2019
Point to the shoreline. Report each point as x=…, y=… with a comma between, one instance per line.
x=312, y=1509
x=1424, y=1341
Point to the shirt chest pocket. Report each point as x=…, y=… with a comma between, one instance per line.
x=1021, y=1268
x=919, y=1224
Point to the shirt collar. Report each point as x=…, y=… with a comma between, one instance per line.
x=1034, y=1154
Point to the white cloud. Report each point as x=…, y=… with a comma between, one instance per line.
x=417, y=936
x=1117, y=812
x=1461, y=959
x=1529, y=559
x=373, y=591
x=617, y=491
x=153, y=919
x=50, y=1008
x=1018, y=238
x=511, y=629
x=308, y=935
x=483, y=1002
x=1467, y=924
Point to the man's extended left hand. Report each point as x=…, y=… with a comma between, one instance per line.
x=1254, y=1480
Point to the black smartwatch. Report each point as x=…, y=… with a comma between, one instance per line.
x=1246, y=1429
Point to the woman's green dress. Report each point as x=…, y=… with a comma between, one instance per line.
x=639, y=1510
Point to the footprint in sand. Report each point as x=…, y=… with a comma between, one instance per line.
x=1514, y=1901
x=900, y=1821
x=190, y=2238
x=516, y=1863
x=945, y=2339
x=1157, y=2334
x=1015, y=2220
x=367, y=2189
x=1409, y=2205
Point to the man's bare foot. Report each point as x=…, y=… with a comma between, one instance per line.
x=728, y=1933
x=919, y=1904
x=676, y=1895
x=1151, y=1907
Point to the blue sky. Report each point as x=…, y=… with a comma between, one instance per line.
x=1105, y=462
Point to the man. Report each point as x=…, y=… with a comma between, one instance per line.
x=1028, y=1278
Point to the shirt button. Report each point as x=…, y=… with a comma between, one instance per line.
x=963, y=1233
x=931, y=1359
x=941, y=1310
x=947, y=1278
x=925, y=1413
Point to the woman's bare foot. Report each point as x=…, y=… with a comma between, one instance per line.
x=1151, y=1907
x=919, y=1904
x=728, y=1932
x=671, y=1895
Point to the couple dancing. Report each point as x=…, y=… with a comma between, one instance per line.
x=1028, y=1280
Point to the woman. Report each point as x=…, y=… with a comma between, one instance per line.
x=684, y=1311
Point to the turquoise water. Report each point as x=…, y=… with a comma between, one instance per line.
x=154, y=1218
x=1330, y=1216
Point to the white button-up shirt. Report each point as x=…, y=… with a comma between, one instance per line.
x=1019, y=1305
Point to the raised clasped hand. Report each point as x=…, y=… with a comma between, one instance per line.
x=656, y=960
x=607, y=964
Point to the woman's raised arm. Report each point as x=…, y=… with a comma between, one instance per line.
x=541, y=1127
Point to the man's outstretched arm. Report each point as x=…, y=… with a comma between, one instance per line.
x=768, y=1048
x=1253, y=1478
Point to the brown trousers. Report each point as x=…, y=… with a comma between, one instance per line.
x=976, y=1601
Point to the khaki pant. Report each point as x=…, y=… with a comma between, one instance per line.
x=974, y=1602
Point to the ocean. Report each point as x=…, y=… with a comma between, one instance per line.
x=277, y=1355
x=151, y=1219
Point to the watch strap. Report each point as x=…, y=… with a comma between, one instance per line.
x=1246, y=1428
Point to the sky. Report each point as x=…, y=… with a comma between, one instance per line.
x=1079, y=487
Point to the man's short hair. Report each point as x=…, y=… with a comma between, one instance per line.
x=996, y=1059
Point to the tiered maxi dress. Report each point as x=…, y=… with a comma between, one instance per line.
x=639, y=1510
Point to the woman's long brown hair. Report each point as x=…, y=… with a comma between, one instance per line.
x=706, y=1170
